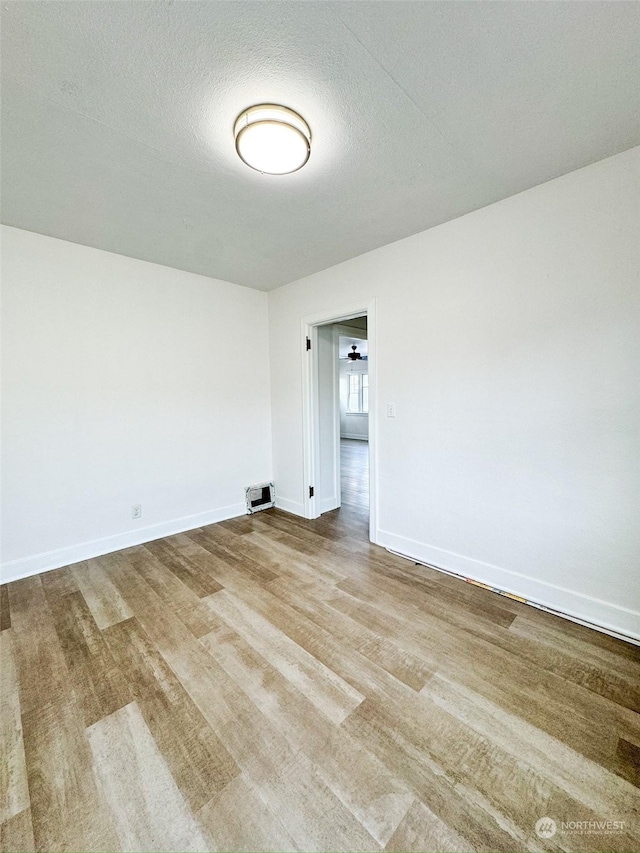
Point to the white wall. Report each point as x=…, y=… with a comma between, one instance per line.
x=121, y=386
x=509, y=340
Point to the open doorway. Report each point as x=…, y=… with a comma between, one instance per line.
x=340, y=419
x=353, y=400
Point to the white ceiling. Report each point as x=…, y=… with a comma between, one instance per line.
x=118, y=117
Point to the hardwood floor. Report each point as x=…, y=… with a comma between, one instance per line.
x=354, y=477
x=270, y=683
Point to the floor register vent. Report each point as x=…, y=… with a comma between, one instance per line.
x=262, y=496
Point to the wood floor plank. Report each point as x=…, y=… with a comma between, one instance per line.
x=14, y=787
x=586, y=782
x=278, y=774
x=182, y=600
x=219, y=700
x=5, y=612
x=244, y=566
x=355, y=776
x=287, y=708
x=42, y=669
x=586, y=637
x=97, y=680
x=508, y=786
x=148, y=810
x=422, y=830
x=317, y=533
x=414, y=587
x=237, y=820
x=58, y=583
x=599, y=670
x=388, y=654
x=16, y=834
x=228, y=576
x=628, y=761
x=199, y=763
x=277, y=557
x=281, y=776
x=67, y=809
x=189, y=573
x=471, y=817
x=331, y=638
x=103, y=599
x=327, y=691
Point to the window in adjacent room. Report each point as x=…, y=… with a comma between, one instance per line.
x=358, y=400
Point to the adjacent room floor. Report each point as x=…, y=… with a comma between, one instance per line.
x=354, y=478
x=270, y=683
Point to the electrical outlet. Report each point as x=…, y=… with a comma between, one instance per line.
x=136, y=511
x=391, y=410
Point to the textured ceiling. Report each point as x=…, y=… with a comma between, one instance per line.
x=118, y=116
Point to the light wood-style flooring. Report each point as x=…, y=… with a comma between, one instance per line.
x=270, y=683
x=354, y=477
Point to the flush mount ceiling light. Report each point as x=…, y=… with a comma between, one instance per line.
x=272, y=139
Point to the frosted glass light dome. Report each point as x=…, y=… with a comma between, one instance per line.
x=272, y=139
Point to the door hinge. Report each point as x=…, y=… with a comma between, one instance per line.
x=308, y=344
x=311, y=491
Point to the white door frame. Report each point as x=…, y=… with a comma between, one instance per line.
x=311, y=462
x=325, y=501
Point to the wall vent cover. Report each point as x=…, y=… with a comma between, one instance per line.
x=262, y=496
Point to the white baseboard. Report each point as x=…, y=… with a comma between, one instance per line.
x=34, y=565
x=294, y=507
x=329, y=504
x=594, y=612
